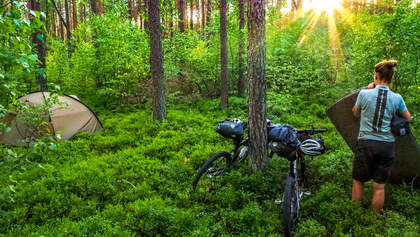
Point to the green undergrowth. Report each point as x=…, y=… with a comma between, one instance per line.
x=135, y=178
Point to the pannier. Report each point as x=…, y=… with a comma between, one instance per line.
x=231, y=129
x=399, y=126
x=283, y=140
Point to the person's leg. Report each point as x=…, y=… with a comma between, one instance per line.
x=357, y=191
x=378, y=197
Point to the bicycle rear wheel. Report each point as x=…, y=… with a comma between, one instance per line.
x=217, y=165
x=290, y=206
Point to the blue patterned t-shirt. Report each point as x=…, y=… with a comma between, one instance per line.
x=377, y=107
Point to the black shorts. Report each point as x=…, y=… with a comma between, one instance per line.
x=373, y=160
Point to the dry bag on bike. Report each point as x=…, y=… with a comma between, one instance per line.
x=230, y=129
x=283, y=140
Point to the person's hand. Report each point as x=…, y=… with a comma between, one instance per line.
x=371, y=85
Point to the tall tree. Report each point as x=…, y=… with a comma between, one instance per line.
x=94, y=7
x=156, y=61
x=257, y=85
x=62, y=22
x=208, y=13
x=68, y=28
x=146, y=21
x=74, y=11
x=224, y=92
x=181, y=15
x=38, y=39
x=241, y=74
x=203, y=14
x=171, y=20
x=191, y=14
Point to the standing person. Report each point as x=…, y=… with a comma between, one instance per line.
x=375, y=106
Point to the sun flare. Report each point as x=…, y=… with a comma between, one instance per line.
x=325, y=5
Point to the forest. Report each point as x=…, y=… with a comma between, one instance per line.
x=158, y=76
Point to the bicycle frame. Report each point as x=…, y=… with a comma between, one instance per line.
x=235, y=151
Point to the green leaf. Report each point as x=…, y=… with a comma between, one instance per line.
x=40, y=37
x=52, y=147
x=27, y=21
x=16, y=22
x=33, y=57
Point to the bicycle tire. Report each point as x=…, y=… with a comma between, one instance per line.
x=290, y=206
x=223, y=157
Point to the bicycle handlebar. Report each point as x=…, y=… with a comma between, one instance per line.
x=311, y=131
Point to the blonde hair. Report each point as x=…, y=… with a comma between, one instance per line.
x=386, y=70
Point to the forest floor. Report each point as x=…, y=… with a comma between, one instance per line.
x=134, y=178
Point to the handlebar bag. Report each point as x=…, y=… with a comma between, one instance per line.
x=285, y=134
x=230, y=129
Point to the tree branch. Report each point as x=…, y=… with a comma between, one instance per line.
x=59, y=14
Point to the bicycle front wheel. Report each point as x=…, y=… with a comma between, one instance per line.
x=290, y=206
x=217, y=165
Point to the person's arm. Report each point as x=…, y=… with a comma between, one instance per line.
x=402, y=110
x=406, y=115
x=358, y=105
x=356, y=111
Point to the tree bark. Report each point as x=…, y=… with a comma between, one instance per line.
x=130, y=8
x=100, y=7
x=60, y=12
x=241, y=76
x=146, y=22
x=74, y=14
x=181, y=15
x=203, y=14
x=171, y=20
x=68, y=28
x=38, y=39
x=191, y=14
x=94, y=7
x=156, y=61
x=257, y=85
x=224, y=92
x=185, y=15
x=208, y=13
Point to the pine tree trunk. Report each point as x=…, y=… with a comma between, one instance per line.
x=203, y=14
x=224, y=92
x=171, y=20
x=197, y=9
x=74, y=14
x=257, y=85
x=181, y=15
x=241, y=76
x=156, y=61
x=94, y=7
x=38, y=39
x=68, y=28
x=60, y=23
x=185, y=15
x=100, y=6
x=191, y=14
x=208, y=13
x=130, y=8
x=146, y=22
